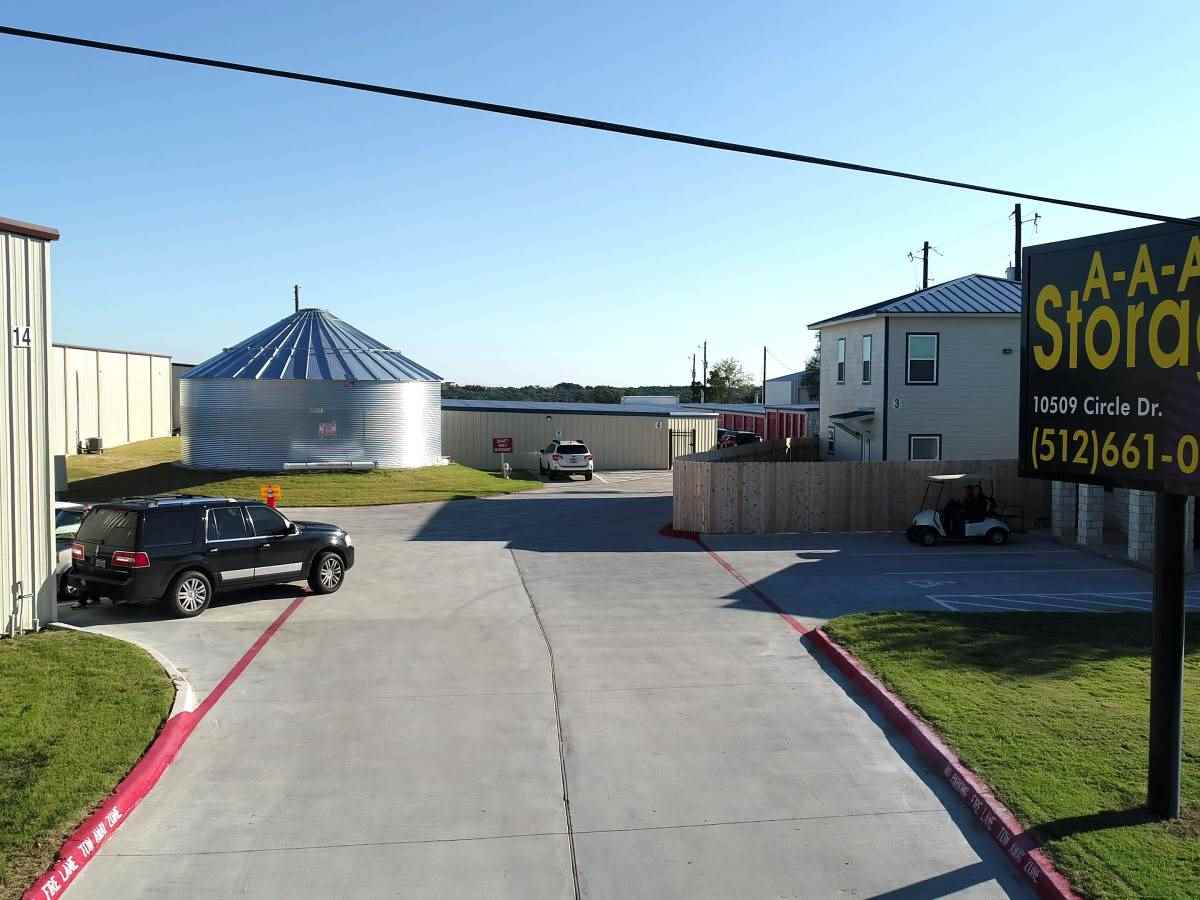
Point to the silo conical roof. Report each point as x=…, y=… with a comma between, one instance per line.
x=312, y=345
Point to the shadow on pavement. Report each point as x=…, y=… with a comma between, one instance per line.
x=105, y=613
x=943, y=885
x=554, y=523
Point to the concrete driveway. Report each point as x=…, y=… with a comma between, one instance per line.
x=409, y=736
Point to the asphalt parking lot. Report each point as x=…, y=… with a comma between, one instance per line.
x=409, y=737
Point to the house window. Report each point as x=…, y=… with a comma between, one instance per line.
x=832, y=442
x=924, y=447
x=866, y=373
x=841, y=361
x=921, y=361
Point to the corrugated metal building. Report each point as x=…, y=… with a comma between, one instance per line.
x=310, y=391
x=620, y=436
x=27, y=589
x=773, y=422
x=119, y=396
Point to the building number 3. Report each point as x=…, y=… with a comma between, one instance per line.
x=22, y=337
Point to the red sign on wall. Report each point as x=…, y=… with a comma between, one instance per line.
x=502, y=445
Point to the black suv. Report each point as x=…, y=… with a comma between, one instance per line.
x=182, y=550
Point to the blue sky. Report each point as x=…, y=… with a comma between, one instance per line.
x=508, y=252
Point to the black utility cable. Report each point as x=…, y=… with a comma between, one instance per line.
x=578, y=122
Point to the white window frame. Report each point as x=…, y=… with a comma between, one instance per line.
x=832, y=441
x=908, y=357
x=867, y=347
x=840, y=361
x=924, y=437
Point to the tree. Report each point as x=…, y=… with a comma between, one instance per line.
x=728, y=381
x=812, y=372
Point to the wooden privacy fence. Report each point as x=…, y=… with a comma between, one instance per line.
x=731, y=492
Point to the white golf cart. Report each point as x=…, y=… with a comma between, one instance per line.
x=958, y=520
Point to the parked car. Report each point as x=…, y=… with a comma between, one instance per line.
x=67, y=517
x=184, y=550
x=746, y=437
x=726, y=437
x=565, y=458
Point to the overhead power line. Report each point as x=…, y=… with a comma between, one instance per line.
x=578, y=122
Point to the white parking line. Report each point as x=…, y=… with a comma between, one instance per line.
x=1055, y=571
x=600, y=477
x=1064, y=601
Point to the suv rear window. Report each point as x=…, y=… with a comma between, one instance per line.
x=167, y=527
x=112, y=527
x=572, y=449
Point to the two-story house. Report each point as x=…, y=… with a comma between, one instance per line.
x=929, y=375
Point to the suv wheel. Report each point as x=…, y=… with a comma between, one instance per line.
x=190, y=594
x=328, y=573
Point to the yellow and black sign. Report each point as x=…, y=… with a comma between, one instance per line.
x=1110, y=373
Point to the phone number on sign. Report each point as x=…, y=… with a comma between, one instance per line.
x=1112, y=450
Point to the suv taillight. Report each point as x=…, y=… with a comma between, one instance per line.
x=77, y=550
x=587, y=456
x=555, y=456
x=128, y=559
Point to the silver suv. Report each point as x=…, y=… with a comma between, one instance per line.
x=565, y=457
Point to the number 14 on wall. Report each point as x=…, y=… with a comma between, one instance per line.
x=22, y=337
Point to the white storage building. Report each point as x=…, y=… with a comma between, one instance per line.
x=27, y=589
x=620, y=435
x=118, y=396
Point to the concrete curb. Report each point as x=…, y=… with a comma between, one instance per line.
x=86, y=841
x=1021, y=847
x=185, y=694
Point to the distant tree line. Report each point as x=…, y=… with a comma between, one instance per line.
x=720, y=391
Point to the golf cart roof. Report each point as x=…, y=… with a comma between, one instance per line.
x=961, y=476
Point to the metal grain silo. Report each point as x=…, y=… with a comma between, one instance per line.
x=310, y=391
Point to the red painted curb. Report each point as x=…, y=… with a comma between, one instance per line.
x=85, y=842
x=1022, y=848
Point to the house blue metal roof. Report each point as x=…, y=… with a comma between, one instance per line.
x=312, y=345
x=969, y=295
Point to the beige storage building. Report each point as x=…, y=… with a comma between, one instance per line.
x=119, y=396
x=625, y=436
x=27, y=589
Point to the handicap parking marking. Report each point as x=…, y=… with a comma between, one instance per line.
x=1091, y=601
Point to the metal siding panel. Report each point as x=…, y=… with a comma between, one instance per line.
x=112, y=398
x=56, y=398
x=160, y=396
x=139, y=395
x=82, y=409
x=251, y=425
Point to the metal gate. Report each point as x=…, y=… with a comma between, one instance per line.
x=680, y=443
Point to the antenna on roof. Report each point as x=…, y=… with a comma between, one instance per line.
x=296, y=294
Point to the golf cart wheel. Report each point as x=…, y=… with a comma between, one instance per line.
x=189, y=594
x=997, y=536
x=328, y=573
x=928, y=538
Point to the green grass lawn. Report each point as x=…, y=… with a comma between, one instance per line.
x=149, y=467
x=1052, y=710
x=76, y=713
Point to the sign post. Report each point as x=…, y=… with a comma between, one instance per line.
x=1110, y=395
x=502, y=445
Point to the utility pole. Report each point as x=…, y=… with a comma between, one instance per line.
x=925, y=265
x=1017, y=241
x=764, y=392
x=296, y=295
x=704, y=374
x=693, y=397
